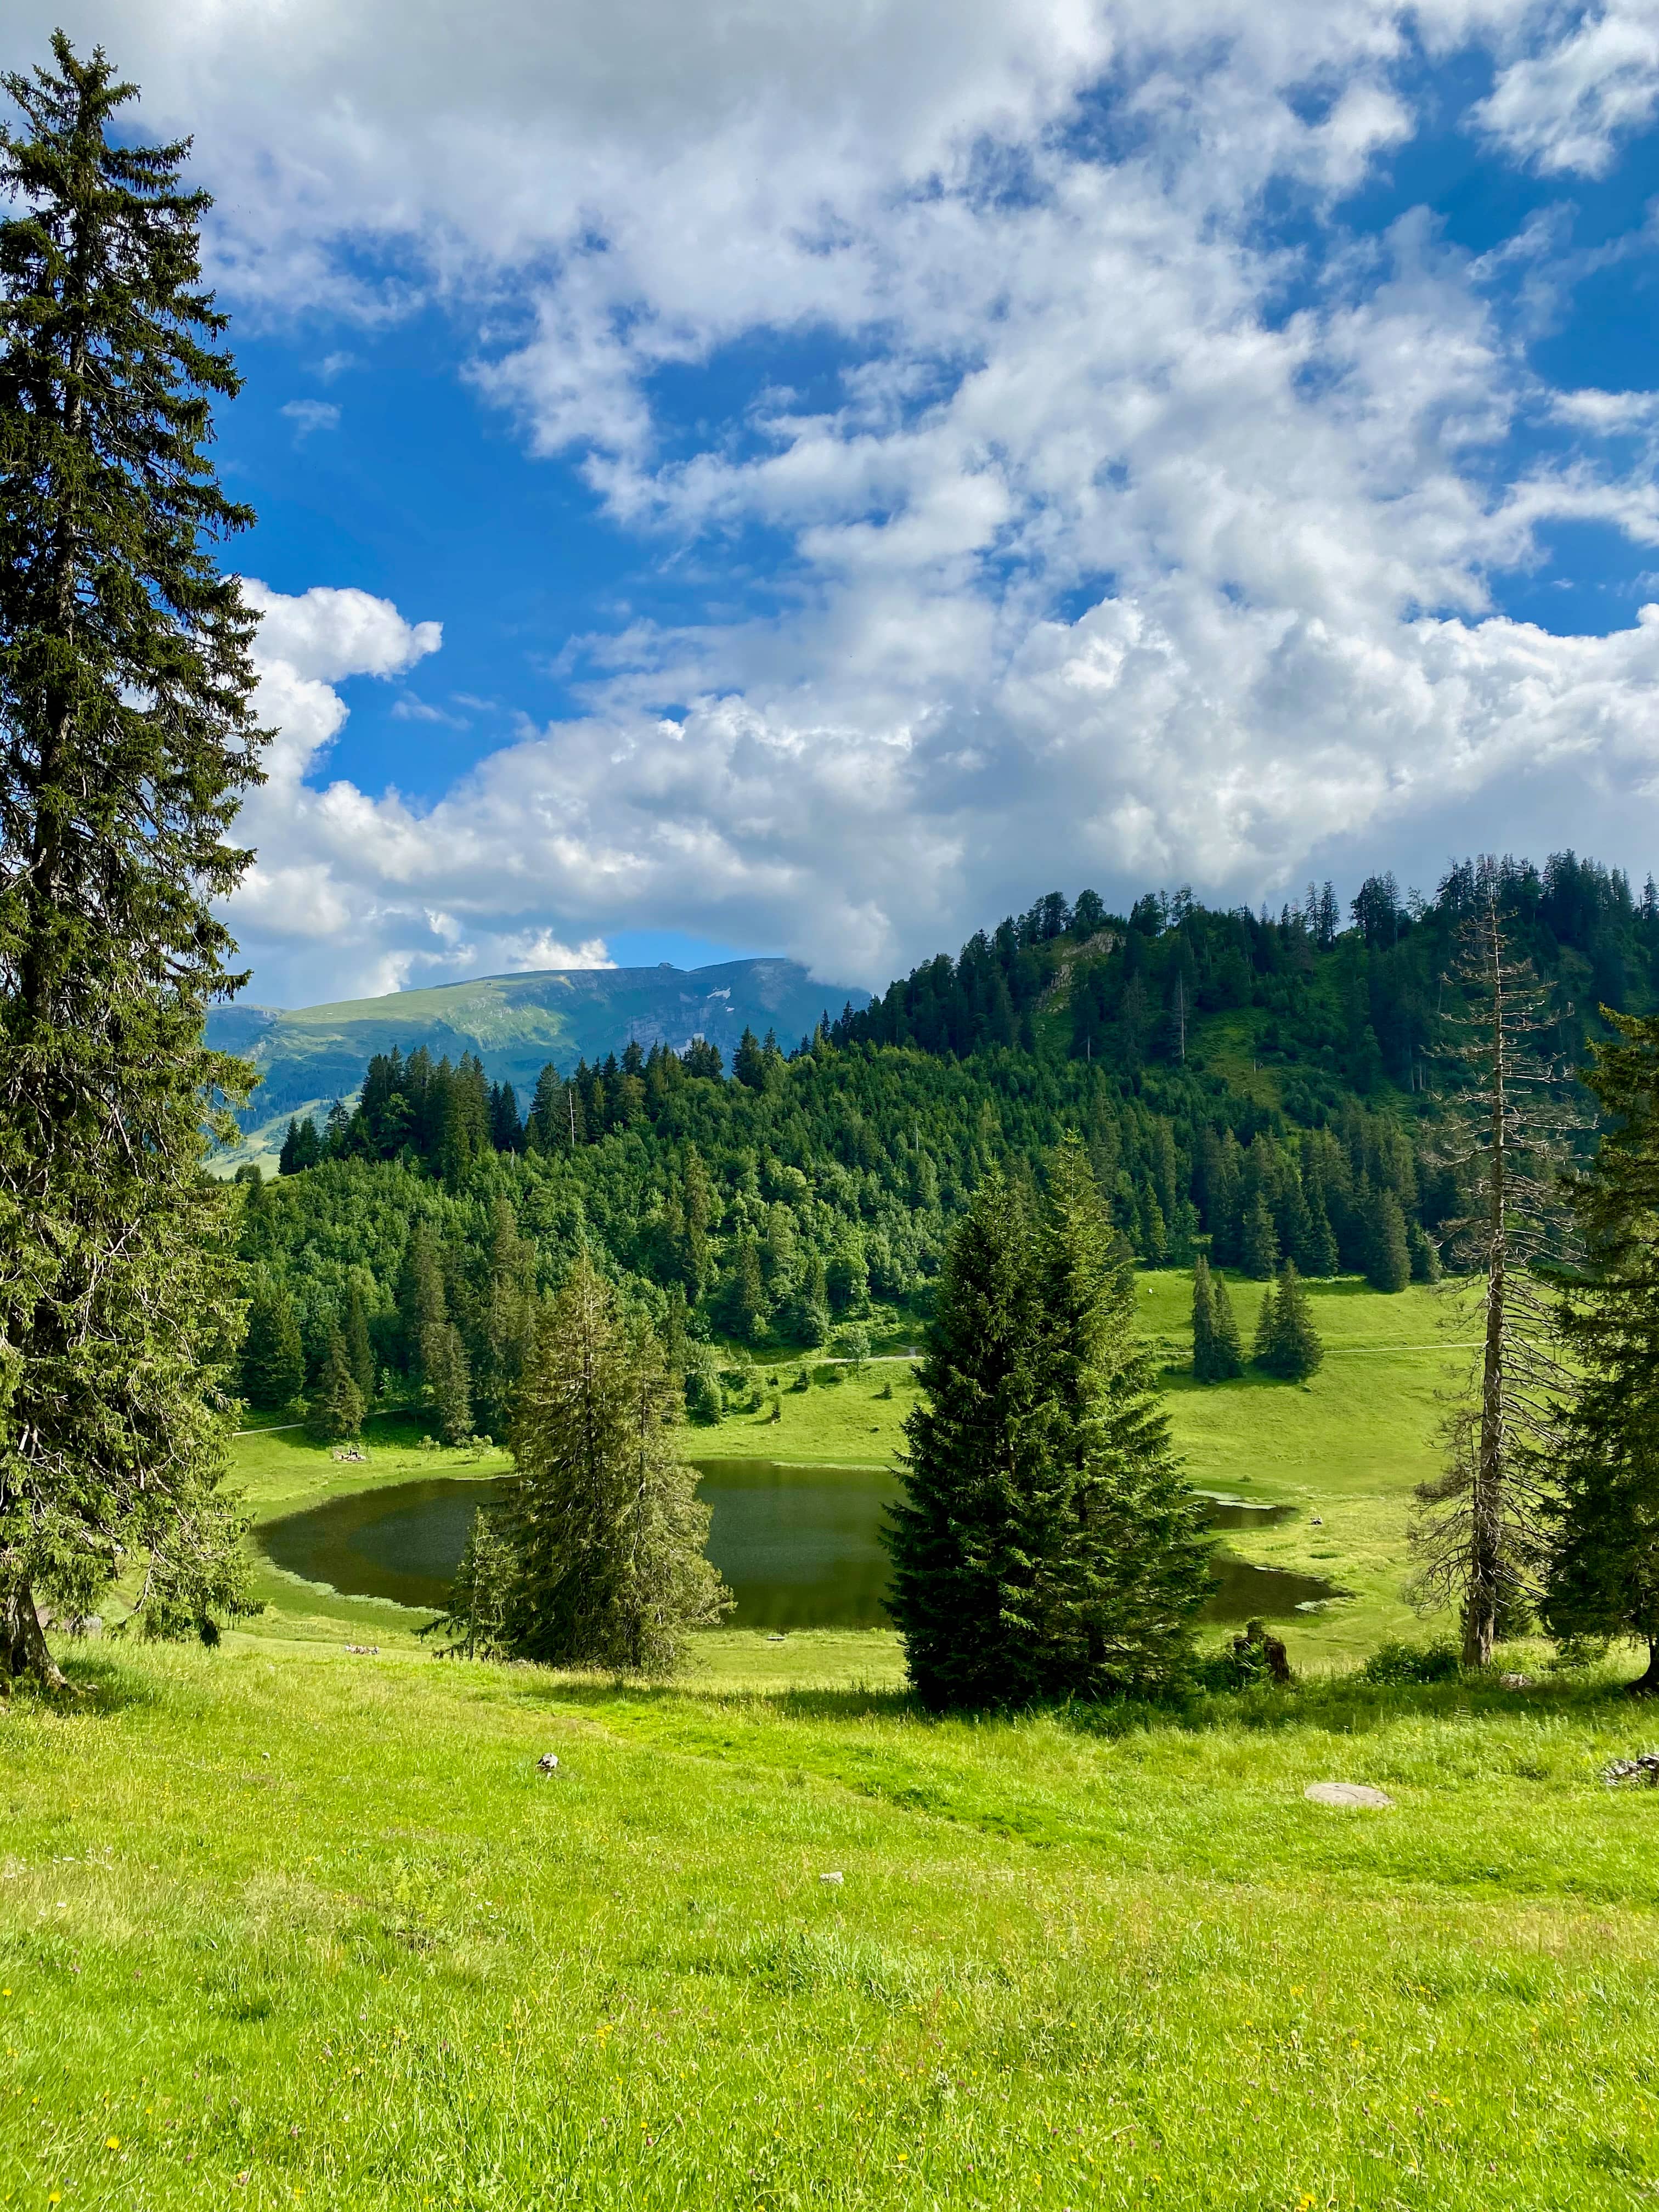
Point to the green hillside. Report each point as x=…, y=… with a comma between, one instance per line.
x=515, y=1026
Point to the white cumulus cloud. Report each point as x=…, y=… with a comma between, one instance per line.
x=1132, y=541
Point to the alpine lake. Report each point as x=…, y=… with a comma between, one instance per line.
x=799, y=1546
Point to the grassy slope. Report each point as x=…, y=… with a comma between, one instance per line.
x=1348, y=1447
x=280, y=1927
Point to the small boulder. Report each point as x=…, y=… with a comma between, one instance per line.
x=832, y=1877
x=1514, y=1682
x=548, y=1763
x=1642, y=1769
x=365, y=1651
x=1348, y=1793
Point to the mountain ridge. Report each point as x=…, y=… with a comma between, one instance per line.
x=516, y=1024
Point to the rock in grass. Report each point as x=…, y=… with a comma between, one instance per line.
x=1348, y=1793
x=365, y=1651
x=832, y=1877
x=1644, y=1767
x=548, y=1763
x=1514, y=1682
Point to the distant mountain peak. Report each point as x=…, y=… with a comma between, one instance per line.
x=516, y=1023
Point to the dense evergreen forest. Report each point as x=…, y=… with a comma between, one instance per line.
x=1263, y=1088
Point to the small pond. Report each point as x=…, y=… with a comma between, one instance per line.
x=799, y=1547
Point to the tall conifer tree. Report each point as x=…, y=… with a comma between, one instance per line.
x=970, y=1445
x=1387, y=1255
x=126, y=740
x=1046, y=1544
x=604, y=1527
x=273, y=1357
x=1227, y=1352
x=360, y=1352
x=1287, y=1344
x=1480, y=1535
x=1603, y=1574
x=337, y=1405
x=1203, y=1323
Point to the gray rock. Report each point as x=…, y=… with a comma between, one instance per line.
x=1348, y=1793
x=1514, y=1682
x=832, y=1877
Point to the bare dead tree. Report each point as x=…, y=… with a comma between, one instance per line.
x=1479, y=1533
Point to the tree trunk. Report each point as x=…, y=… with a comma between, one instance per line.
x=23, y=1651
x=1487, y=1503
x=1647, y=1685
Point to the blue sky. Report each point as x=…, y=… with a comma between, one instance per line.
x=735, y=478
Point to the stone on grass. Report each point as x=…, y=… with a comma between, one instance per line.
x=1644, y=1768
x=1514, y=1682
x=832, y=1877
x=1348, y=1793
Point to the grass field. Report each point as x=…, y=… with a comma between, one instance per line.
x=280, y=1927
x=285, y=1926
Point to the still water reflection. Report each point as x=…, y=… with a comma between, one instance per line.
x=799, y=1547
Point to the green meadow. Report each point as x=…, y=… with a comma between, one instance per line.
x=286, y=1926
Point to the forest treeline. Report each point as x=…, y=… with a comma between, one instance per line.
x=797, y=1191
x=1350, y=1009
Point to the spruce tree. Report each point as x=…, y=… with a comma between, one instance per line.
x=1266, y=1322
x=1203, y=1323
x=603, y=1523
x=126, y=740
x=448, y=1374
x=1318, y=1255
x=1227, y=1354
x=1045, y=1545
x=336, y=1412
x=1287, y=1343
x=1479, y=1533
x=1603, y=1573
x=969, y=1447
x=1259, y=1240
x=1129, y=1569
x=1387, y=1255
x=473, y=1622
x=360, y=1352
x=273, y=1357
x=508, y=1319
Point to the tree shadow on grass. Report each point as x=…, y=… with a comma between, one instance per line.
x=100, y=1684
x=1347, y=1705
x=593, y=1693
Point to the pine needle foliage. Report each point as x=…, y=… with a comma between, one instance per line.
x=336, y=1413
x=1046, y=1544
x=473, y=1625
x=127, y=741
x=1480, y=1535
x=1287, y=1342
x=1216, y=1354
x=1203, y=1323
x=1229, y=1345
x=1603, y=1577
x=604, y=1525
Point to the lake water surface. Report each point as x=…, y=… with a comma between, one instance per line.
x=799, y=1547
